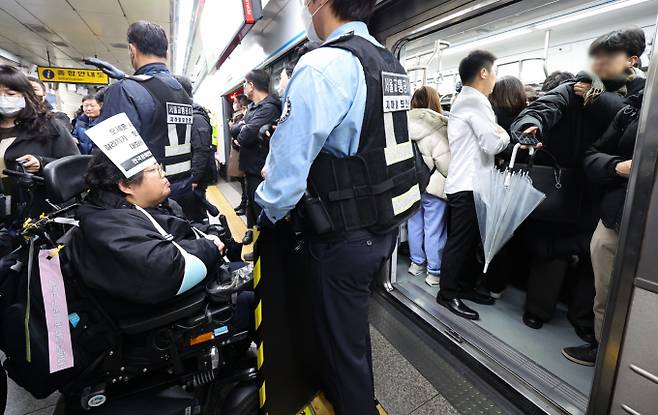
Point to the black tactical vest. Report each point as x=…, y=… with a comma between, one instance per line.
x=378, y=187
x=172, y=127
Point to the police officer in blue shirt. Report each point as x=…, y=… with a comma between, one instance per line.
x=159, y=108
x=342, y=159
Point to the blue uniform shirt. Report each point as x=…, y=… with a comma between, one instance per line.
x=323, y=110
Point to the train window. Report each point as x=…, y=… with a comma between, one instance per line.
x=530, y=44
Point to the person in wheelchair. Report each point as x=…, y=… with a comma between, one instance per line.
x=134, y=248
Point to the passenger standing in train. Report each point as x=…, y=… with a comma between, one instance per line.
x=204, y=170
x=158, y=107
x=240, y=105
x=475, y=139
x=508, y=99
x=264, y=111
x=428, y=127
x=333, y=119
x=568, y=120
x=608, y=165
x=556, y=79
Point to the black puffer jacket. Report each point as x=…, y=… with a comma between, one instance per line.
x=567, y=127
x=203, y=164
x=253, y=152
x=615, y=145
x=120, y=255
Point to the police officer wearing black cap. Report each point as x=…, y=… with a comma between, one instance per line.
x=158, y=107
x=341, y=154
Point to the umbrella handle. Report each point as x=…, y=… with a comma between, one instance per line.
x=510, y=167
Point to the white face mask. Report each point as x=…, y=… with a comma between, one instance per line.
x=307, y=18
x=11, y=106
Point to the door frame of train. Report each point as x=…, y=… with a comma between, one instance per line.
x=631, y=236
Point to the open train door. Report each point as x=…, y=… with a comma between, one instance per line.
x=286, y=349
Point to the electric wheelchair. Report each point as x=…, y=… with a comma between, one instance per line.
x=183, y=357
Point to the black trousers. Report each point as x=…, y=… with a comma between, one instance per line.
x=342, y=272
x=253, y=210
x=549, y=278
x=459, y=266
x=243, y=186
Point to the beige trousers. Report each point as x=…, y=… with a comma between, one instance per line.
x=604, y=250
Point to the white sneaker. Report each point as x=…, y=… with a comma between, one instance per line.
x=432, y=280
x=416, y=270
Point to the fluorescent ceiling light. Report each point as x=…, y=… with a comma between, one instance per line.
x=572, y=17
x=453, y=16
x=487, y=40
x=182, y=33
x=594, y=11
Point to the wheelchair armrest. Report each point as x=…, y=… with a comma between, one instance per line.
x=166, y=314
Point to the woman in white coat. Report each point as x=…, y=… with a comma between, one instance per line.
x=428, y=127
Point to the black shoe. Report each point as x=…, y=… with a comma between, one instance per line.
x=240, y=212
x=477, y=297
x=586, y=334
x=248, y=237
x=458, y=307
x=241, y=207
x=532, y=321
x=248, y=257
x=583, y=355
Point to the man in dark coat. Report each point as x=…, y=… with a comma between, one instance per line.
x=567, y=120
x=608, y=165
x=265, y=110
x=203, y=160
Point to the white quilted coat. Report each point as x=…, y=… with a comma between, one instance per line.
x=429, y=130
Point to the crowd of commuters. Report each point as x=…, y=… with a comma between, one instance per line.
x=586, y=125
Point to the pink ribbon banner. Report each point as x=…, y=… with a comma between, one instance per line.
x=60, y=349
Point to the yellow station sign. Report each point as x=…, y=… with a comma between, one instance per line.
x=72, y=75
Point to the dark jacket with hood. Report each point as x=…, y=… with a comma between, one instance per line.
x=567, y=127
x=51, y=142
x=203, y=163
x=253, y=151
x=120, y=255
x=615, y=145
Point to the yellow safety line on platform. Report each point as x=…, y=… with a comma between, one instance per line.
x=237, y=225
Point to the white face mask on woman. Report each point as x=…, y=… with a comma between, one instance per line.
x=307, y=18
x=11, y=106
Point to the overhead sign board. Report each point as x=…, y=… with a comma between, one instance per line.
x=224, y=25
x=72, y=75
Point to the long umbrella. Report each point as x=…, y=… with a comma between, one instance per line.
x=503, y=200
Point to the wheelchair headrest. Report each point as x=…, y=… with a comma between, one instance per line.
x=65, y=177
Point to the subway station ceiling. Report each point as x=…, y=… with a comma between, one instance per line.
x=68, y=30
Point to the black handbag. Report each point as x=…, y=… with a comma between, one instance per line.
x=563, y=188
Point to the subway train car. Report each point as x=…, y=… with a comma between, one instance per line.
x=531, y=39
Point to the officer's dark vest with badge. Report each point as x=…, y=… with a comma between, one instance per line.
x=172, y=127
x=378, y=187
